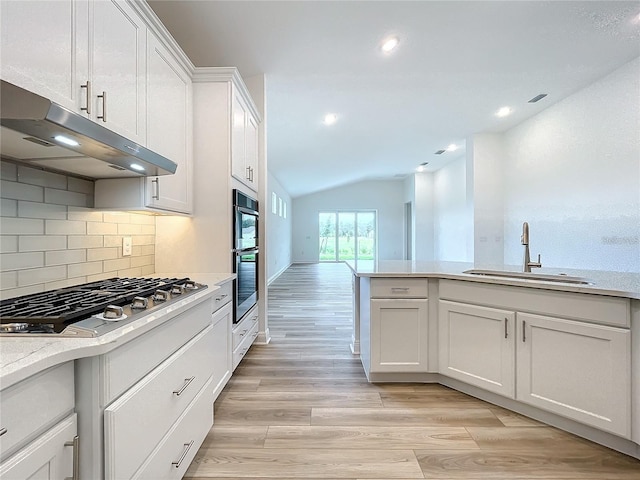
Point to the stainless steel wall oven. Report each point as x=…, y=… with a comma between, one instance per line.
x=245, y=253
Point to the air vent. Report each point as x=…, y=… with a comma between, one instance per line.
x=116, y=167
x=37, y=141
x=440, y=152
x=537, y=98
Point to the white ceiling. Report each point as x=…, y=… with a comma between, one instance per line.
x=457, y=63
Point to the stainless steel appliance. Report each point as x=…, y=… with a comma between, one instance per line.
x=91, y=309
x=42, y=133
x=245, y=252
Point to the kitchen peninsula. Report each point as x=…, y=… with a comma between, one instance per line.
x=565, y=350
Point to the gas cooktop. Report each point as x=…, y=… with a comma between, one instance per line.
x=91, y=309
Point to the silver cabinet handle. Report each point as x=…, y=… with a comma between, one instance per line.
x=187, y=447
x=399, y=289
x=221, y=297
x=104, y=106
x=524, y=334
x=506, y=333
x=157, y=182
x=243, y=332
x=251, y=174
x=75, y=443
x=3, y=431
x=248, y=174
x=88, y=107
x=187, y=382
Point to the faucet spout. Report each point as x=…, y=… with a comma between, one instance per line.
x=527, y=264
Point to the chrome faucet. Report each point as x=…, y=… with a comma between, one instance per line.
x=527, y=264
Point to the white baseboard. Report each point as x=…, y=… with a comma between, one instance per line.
x=271, y=279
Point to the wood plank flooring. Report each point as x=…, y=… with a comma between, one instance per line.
x=301, y=408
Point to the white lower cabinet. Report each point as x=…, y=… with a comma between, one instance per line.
x=399, y=341
x=221, y=348
x=50, y=457
x=477, y=346
x=576, y=369
x=244, y=334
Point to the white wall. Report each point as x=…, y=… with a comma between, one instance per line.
x=453, y=226
x=423, y=212
x=278, y=230
x=387, y=197
x=573, y=172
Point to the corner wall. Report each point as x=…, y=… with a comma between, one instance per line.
x=279, y=229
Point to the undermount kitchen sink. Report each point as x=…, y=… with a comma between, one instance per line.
x=560, y=278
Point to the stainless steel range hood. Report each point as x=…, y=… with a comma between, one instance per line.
x=42, y=133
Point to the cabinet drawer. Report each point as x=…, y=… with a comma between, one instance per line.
x=241, y=331
x=399, y=287
x=30, y=407
x=245, y=345
x=184, y=438
x=223, y=296
x=124, y=366
x=136, y=422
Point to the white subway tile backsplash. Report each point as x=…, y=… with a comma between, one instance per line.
x=19, y=261
x=84, y=214
x=41, y=243
x=83, y=269
x=9, y=171
x=85, y=241
x=41, y=210
x=50, y=237
x=41, y=275
x=115, y=265
x=21, y=226
x=8, y=243
x=81, y=186
x=33, y=176
x=21, y=191
x=65, y=227
x=63, y=197
x=65, y=257
x=96, y=228
x=9, y=207
x=94, y=254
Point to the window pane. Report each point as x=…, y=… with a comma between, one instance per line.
x=346, y=236
x=366, y=235
x=327, y=222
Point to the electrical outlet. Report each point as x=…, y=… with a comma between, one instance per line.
x=126, y=246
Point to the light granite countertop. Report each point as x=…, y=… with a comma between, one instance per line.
x=616, y=284
x=24, y=356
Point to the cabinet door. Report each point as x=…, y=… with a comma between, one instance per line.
x=238, y=138
x=252, y=151
x=399, y=340
x=222, y=354
x=29, y=30
x=477, y=346
x=50, y=457
x=169, y=128
x=118, y=40
x=578, y=370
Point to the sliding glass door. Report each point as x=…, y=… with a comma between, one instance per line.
x=347, y=236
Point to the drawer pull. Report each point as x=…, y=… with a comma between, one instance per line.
x=221, y=297
x=399, y=289
x=506, y=332
x=187, y=382
x=3, y=431
x=524, y=334
x=243, y=332
x=76, y=457
x=187, y=447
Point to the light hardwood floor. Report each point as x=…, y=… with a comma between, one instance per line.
x=301, y=408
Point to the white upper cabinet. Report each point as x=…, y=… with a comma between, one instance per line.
x=244, y=142
x=169, y=95
x=117, y=63
x=29, y=31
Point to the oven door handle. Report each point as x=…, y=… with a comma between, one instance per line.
x=248, y=211
x=243, y=251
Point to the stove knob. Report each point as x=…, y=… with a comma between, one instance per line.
x=190, y=285
x=139, y=303
x=161, y=296
x=177, y=290
x=113, y=311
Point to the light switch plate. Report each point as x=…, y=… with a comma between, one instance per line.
x=126, y=246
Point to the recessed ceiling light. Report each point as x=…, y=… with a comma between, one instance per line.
x=66, y=140
x=452, y=148
x=390, y=44
x=504, y=111
x=420, y=168
x=137, y=167
x=330, y=119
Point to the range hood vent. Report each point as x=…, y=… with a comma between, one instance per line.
x=42, y=133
